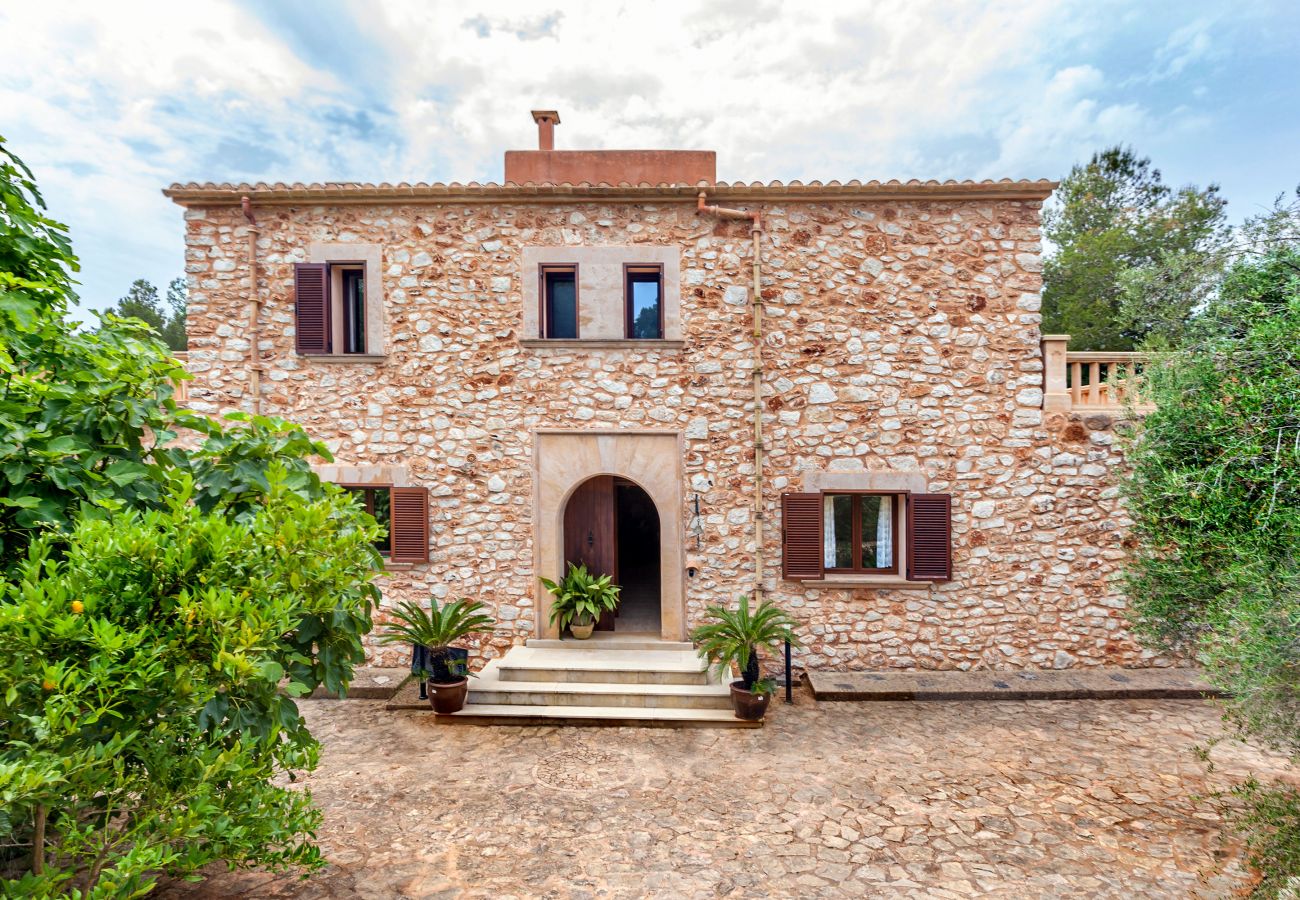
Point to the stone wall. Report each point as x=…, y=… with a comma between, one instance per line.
x=899, y=335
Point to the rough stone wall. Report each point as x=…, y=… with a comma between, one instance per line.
x=899, y=335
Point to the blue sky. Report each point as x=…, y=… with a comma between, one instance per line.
x=108, y=103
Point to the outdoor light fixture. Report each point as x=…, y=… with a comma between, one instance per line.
x=696, y=528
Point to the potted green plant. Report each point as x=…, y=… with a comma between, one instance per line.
x=437, y=629
x=580, y=600
x=734, y=637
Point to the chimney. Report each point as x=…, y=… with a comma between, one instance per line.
x=546, y=120
x=546, y=165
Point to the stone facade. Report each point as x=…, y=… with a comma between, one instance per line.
x=901, y=334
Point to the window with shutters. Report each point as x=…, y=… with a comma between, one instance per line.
x=857, y=536
x=332, y=314
x=403, y=513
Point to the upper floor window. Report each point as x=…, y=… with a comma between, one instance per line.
x=601, y=297
x=643, y=290
x=559, y=293
x=330, y=312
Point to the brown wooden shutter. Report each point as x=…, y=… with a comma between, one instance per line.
x=929, y=537
x=801, y=536
x=311, y=307
x=410, y=523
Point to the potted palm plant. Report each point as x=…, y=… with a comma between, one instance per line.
x=734, y=637
x=435, y=630
x=580, y=600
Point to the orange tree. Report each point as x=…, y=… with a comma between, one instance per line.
x=162, y=606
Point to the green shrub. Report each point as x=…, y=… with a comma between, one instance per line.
x=147, y=675
x=1215, y=499
x=162, y=604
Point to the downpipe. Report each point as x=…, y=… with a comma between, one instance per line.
x=702, y=208
x=255, y=308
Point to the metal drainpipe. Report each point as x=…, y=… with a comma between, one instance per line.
x=756, y=293
x=255, y=308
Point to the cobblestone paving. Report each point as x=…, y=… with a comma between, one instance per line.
x=1009, y=799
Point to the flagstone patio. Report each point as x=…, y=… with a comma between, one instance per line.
x=938, y=799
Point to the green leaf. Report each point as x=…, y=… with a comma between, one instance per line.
x=124, y=472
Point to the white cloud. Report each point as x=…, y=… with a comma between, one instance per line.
x=1187, y=45
x=110, y=102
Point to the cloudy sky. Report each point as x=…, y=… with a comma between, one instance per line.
x=109, y=102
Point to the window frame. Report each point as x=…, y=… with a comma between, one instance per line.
x=370, y=508
x=543, y=300
x=856, y=534
x=629, y=271
x=335, y=309
x=346, y=269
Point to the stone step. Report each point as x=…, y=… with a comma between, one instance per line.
x=620, y=642
x=543, y=664
x=636, y=717
x=489, y=689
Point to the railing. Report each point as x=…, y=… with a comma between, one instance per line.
x=1091, y=380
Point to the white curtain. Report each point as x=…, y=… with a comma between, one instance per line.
x=885, y=533
x=828, y=531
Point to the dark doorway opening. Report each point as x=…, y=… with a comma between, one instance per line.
x=638, y=558
x=612, y=527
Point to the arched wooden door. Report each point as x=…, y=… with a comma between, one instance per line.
x=591, y=533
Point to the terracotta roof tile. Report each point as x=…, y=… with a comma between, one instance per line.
x=194, y=193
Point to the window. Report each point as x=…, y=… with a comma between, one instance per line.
x=599, y=297
x=403, y=513
x=851, y=536
x=378, y=502
x=354, y=310
x=330, y=315
x=859, y=532
x=560, y=302
x=643, y=302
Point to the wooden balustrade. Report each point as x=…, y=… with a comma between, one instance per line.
x=1090, y=380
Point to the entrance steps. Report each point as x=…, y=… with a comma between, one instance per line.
x=624, y=680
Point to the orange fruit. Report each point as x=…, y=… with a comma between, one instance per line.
x=48, y=685
x=78, y=607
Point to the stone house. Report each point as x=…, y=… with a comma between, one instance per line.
x=574, y=364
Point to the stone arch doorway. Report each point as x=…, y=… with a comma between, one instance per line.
x=649, y=465
x=611, y=526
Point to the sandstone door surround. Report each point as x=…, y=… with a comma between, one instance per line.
x=563, y=459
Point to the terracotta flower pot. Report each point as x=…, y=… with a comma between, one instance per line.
x=582, y=631
x=448, y=698
x=748, y=705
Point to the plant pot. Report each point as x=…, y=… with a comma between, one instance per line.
x=448, y=698
x=749, y=706
x=582, y=631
